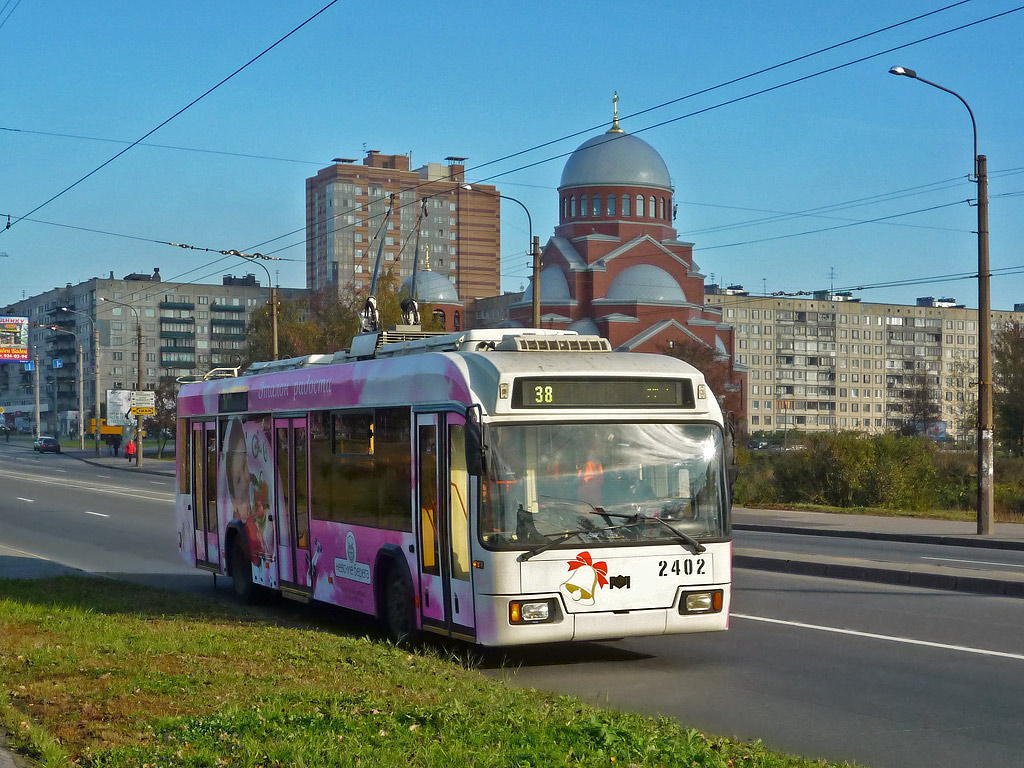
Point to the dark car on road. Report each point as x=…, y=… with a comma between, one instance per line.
x=46, y=445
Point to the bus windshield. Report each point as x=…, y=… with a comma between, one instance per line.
x=604, y=484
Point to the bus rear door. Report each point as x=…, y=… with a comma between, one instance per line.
x=294, y=557
x=204, y=494
x=443, y=526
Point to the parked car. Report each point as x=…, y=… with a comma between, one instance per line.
x=46, y=445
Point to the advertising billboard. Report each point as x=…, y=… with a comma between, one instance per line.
x=13, y=339
x=119, y=404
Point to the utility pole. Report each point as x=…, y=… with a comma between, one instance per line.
x=138, y=388
x=536, y=282
x=35, y=365
x=96, y=363
x=986, y=459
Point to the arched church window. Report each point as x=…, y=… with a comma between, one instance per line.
x=640, y=206
x=572, y=206
x=625, y=205
x=583, y=205
x=458, y=321
x=611, y=205
x=661, y=209
x=565, y=208
x=653, y=210
x=597, y=205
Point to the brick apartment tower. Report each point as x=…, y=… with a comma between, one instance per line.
x=347, y=202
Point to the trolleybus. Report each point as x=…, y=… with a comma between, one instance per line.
x=500, y=486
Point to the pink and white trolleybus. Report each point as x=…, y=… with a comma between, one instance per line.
x=499, y=486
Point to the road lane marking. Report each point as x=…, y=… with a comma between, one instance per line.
x=105, y=477
x=890, y=638
x=139, y=493
x=976, y=562
x=98, y=514
x=61, y=470
x=22, y=498
x=158, y=482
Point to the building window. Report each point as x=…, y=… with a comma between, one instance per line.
x=661, y=208
x=597, y=205
x=583, y=205
x=639, y=205
x=611, y=205
x=625, y=205
x=565, y=207
x=572, y=205
x=653, y=208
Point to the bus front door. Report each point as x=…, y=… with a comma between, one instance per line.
x=443, y=526
x=204, y=494
x=294, y=557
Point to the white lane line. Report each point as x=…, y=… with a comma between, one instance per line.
x=976, y=562
x=64, y=471
x=158, y=482
x=22, y=498
x=105, y=477
x=98, y=514
x=890, y=638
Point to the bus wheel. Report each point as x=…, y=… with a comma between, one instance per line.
x=241, y=573
x=399, y=617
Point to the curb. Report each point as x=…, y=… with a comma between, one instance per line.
x=908, y=577
x=913, y=538
x=130, y=468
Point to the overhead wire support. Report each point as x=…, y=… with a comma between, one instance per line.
x=370, y=321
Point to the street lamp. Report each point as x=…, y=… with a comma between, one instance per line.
x=986, y=467
x=96, y=362
x=273, y=290
x=138, y=336
x=81, y=406
x=534, y=246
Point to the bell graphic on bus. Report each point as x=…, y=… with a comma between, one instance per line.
x=585, y=579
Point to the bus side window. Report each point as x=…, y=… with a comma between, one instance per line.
x=459, y=502
x=429, y=540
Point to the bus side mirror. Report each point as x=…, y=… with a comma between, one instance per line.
x=476, y=461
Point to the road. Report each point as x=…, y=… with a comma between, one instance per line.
x=843, y=670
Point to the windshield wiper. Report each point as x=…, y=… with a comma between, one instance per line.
x=637, y=518
x=563, y=537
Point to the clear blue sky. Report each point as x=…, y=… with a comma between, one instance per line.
x=483, y=81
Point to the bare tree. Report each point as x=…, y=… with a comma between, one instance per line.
x=1008, y=381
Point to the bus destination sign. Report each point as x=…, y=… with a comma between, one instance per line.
x=602, y=393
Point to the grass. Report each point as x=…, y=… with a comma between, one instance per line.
x=102, y=673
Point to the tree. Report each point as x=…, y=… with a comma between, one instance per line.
x=1008, y=386
x=164, y=423
x=717, y=370
x=921, y=404
x=323, y=323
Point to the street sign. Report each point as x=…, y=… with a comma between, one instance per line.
x=142, y=410
x=143, y=398
x=58, y=363
x=30, y=366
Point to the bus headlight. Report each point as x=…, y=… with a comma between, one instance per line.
x=532, y=611
x=709, y=601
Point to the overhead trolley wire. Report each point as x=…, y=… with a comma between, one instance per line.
x=192, y=103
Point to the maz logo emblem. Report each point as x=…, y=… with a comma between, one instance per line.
x=619, y=582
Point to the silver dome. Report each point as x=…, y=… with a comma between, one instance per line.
x=645, y=282
x=553, y=286
x=615, y=159
x=432, y=288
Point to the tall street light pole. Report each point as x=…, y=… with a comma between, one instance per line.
x=96, y=363
x=138, y=387
x=81, y=405
x=273, y=289
x=986, y=466
x=534, y=249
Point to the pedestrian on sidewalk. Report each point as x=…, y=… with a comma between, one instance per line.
x=117, y=445
x=129, y=450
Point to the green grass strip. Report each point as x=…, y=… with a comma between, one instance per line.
x=107, y=674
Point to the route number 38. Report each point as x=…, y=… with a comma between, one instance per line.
x=542, y=394
x=689, y=567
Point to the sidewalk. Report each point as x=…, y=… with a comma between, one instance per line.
x=1006, y=536
x=151, y=465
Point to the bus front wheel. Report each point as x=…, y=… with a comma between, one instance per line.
x=241, y=573
x=399, y=607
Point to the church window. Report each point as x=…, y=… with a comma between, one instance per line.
x=653, y=210
x=611, y=205
x=565, y=208
x=583, y=205
x=661, y=209
x=625, y=205
x=597, y=205
x=572, y=206
x=639, y=206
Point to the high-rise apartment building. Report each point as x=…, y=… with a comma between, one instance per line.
x=347, y=202
x=187, y=328
x=833, y=362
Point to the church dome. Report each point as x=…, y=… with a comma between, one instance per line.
x=432, y=288
x=553, y=286
x=584, y=326
x=615, y=158
x=645, y=282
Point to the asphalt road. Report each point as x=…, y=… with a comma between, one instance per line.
x=899, y=552
x=887, y=676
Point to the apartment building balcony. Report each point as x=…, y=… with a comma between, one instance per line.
x=216, y=307
x=177, y=334
x=177, y=305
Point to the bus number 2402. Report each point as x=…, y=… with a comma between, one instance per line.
x=688, y=567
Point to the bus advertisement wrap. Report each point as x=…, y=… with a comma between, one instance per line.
x=13, y=339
